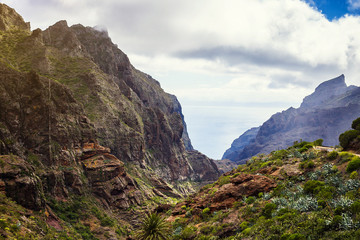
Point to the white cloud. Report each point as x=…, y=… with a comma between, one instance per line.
x=354, y=4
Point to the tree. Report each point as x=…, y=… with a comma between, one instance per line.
x=356, y=124
x=346, y=137
x=153, y=227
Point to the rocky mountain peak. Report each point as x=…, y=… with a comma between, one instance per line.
x=10, y=19
x=325, y=91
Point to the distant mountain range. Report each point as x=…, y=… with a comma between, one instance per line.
x=325, y=114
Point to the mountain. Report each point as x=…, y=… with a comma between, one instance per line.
x=324, y=114
x=80, y=125
x=240, y=143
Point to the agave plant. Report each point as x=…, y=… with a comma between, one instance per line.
x=305, y=204
x=153, y=227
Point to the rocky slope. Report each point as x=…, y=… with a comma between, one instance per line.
x=78, y=120
x=301, y=192
x=324, y=114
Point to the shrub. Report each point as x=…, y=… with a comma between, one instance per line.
x=205, y=213
x=296, y=236
x=206, y=229
x=244, y=225
x=326, y=192
x=318, y=142
x=307, y=165
x=305, y=148
x=223, y=180
x=354, y=175
x=313, y=186
x=189, y=232
x=353, y=165
x=336, y=221
x=355, y=207
x=346, y=137
x=345, y=157
x=356, y=124
x=250, y=200
x=246, y=231
x=332, y=155
x=268, y=209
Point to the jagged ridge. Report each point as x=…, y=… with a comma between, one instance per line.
x=324, y=114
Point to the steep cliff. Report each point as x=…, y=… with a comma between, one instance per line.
x=240, y=143
x=82, y=121
x=324, y=114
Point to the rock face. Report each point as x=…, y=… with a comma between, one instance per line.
x=11, y=20
x=108, y=178
x=67, y=91
x=324, y=92
x=204, y=166
x=325, y=114
x=240, y=143
x=18, y=181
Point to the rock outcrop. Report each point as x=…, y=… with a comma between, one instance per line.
x=240, y=186
x=325, y=114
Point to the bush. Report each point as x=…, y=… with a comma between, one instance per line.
x=244, y=225
x=354, y=175
x=332, y=155
x=307, y=165
x=355, y=207
x=313, y=186
x=305, y=148
x=268, y=209
x=353, y=165
x=296, y=236
x=318, y=142
x=205, y=213
x=223, y=180
x=346, y=137
x=356, y=124
x=189, y=232
x=345, y=157
x=250, y=200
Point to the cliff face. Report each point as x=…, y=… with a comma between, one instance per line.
x=238, y=144
x=325, y=114
x=72, y=105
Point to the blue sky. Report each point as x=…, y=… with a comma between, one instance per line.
x=334, y=9
x=232, y=64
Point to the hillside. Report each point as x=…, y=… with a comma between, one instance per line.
x=302, y=192
x=324, y=114
x=81, y=126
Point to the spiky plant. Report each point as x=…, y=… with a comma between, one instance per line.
x=153, y=227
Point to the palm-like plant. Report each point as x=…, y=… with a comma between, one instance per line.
x=153, y=227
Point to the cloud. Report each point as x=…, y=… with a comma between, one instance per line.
x=354, y=4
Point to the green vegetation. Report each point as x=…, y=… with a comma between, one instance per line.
x=318, y=202
x=356, y=124
x=153, y=227
x=353, y=165
x=347, y=137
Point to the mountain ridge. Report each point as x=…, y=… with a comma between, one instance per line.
x=323, y=114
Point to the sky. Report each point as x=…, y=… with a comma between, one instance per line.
x=231, y=63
